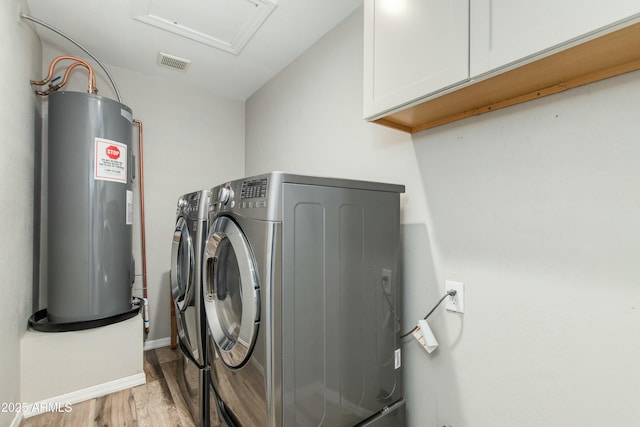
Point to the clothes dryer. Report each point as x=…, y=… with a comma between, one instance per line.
x=302, y=301
x=186, y=256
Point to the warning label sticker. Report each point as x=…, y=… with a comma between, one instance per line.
x=111, y=161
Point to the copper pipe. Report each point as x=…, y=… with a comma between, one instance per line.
x=92, y=79
x=82, y=48
x=65, y=78
x=143, y=240
x=79, y=61
x=55, y=87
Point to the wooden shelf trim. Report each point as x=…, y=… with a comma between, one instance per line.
x=607, y=56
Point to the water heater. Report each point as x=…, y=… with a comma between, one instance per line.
x=89, y=207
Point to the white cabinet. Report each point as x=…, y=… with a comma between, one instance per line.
x=412, y=48
x=505, y=31
x=430, y=62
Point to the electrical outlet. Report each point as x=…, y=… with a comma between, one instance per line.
x=456, y=302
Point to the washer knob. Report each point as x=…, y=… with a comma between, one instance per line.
x=225, y=194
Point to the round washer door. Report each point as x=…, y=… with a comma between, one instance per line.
x=231, y=292
x=182, y=266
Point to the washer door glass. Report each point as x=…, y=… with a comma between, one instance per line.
x=182, y=266
x=232, y=297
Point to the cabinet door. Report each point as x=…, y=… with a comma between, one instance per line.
x=412, y=48
x=504, y=31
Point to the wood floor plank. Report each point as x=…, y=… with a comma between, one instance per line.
x=166, y=354
x=53, y=419
x=58, y=418
x=42, y=420
x=81, y=415
x=154, y=405
x=151, y=366
x=116, y=410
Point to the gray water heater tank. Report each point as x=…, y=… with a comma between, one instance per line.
x=89, y=207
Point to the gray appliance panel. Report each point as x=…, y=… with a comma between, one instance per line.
x=393, y=416
x=326, y=258
x=192, y=369
x=340, y=319
x=251, y=402
x=187, y=293
x=260, y=196
x=182, y=264
x=193, y=382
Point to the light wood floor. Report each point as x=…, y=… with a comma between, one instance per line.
x=157, y=403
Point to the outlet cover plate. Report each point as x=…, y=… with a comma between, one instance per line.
x=455, y=303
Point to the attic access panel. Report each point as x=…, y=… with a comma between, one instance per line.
x=224, y=24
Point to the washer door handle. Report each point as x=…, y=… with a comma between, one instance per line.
x=211, y=277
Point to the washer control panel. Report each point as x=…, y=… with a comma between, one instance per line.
x=254, y=193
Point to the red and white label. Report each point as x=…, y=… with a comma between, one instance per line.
x=113, y=152
x=111, y=161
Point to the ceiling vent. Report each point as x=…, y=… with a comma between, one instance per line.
x=173, y=62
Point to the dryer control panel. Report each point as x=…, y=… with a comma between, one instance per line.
x=256, y=188
x=254, y=197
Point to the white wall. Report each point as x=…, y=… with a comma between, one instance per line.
x=308, y=120
x=534, y=207
x=71, y=367
x=542, y=224
x=21, y=52
x=192, y=141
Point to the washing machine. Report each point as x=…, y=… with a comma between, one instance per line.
x=186, y=256
x=303, y=302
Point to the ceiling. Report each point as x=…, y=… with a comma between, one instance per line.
x=215, y=35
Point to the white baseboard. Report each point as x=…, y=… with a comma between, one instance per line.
x=153, y=344
x=16, y=420
x=62, y=402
